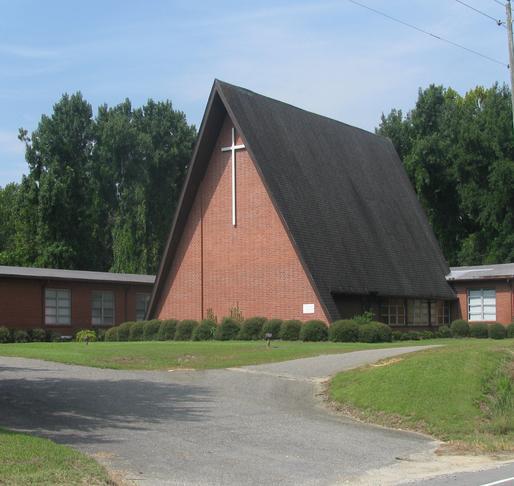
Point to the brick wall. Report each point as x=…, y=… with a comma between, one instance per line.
x=22, y=302
x=504, y=298
x=253, y=265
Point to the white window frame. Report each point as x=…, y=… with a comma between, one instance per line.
x=102, y=294
x=61, y=295
x=146, y=296
x=482, y=305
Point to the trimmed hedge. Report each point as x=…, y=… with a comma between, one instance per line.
x=5, y=335
x=251, y=329
x=205, y=331
x=314, y=331
x=497, y=331
x=290, y=330
x=228, y=329
x=136, y=331
x=479, y=330
x=344, y=331
x=460, y=328
x=375, y=332
x=185, y=330
x=167, y=330
x=21, y=336
x=444, y=332
x=38, y=335
x=272, y=327
x=510, y=330
x=151, y=330
x=124, y=331
x=111, y=334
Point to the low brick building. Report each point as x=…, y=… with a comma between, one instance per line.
x=289, y=214
x=66, y=300
x=485, y=292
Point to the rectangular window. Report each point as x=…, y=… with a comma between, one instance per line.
x=481, y=305
x=142, y=301
x=102, y=308
x=392, y=312
x=417, y=312
x=58, y=307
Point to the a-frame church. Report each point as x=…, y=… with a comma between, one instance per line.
x=288, y=214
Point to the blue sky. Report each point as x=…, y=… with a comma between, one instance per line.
x=331, y=57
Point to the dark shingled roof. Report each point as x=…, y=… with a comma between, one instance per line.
x=341, y=192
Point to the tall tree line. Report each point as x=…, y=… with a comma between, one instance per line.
x=100, y=190
x=459, y=154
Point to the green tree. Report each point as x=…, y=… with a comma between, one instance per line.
x=458, y=153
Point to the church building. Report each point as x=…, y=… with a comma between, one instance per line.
x=288, y=214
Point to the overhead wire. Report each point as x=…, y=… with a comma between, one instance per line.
x=426, y=32
x=496, y=21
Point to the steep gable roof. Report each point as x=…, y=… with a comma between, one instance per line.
x=342, y=193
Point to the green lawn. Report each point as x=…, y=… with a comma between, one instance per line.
x=166, y=355
x=28, y=460
x=462, y=393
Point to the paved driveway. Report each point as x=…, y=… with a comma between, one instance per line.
x=253, y=426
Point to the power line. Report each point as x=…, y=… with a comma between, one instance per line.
x=497, y=21
x=499, y=3
x=460, y=46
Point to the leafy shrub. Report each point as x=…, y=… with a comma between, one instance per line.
x=497, y=331
x=478, y=330
x=405, y=336
x=364, y=318
x=444, y=332
x=460, y=328
x=272, y=327
x=85, y=335
x=100, y=334
x=137, y=330
x=344, y=331
x=21, y=336
x=185, y=330
x=38, y=335
x=151, y=330
x=510, y=331
x=167, y=330
x=290, y=330
x=228, y=329
x=251, y=329
x=5, y=335
x=55, y=337
x=427, y=334
x=124, y=331
x=375, y=332
x=397, y=335
x=314, y=331
x=111, y=334
x=205, y=331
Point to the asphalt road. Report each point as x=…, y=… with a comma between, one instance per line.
x=257, y=426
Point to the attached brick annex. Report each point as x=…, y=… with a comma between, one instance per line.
x=66, y=300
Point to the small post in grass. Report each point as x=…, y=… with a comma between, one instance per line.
x=268, y=337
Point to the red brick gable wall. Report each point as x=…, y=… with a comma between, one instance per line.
x=253, y=265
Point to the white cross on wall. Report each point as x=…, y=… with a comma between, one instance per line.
x=233, y=149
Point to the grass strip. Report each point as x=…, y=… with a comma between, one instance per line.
x=462, y=393
x=27, y=460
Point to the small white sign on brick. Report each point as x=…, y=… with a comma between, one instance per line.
x=308, y=308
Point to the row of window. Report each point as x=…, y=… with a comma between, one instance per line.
x=414, y=312
x=58, y=307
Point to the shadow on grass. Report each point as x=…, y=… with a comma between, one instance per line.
x=82, y=411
